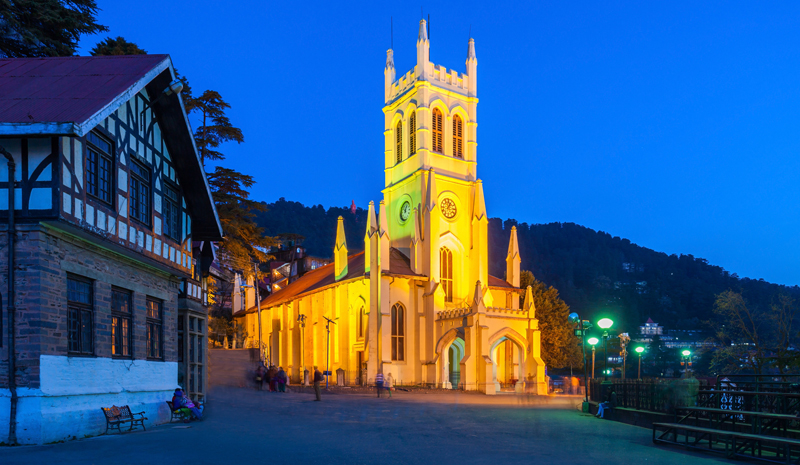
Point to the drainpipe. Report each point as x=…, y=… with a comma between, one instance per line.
x=12, y=380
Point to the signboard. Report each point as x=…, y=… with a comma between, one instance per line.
x=327, y=373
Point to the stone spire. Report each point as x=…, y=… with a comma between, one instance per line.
x=372, y=231
x=416, y=244
x=480, y=202
x=528, y=305
x=423, y=52
x=472, y=68
x=340, y=251
x=513, y=259
x=388, y=75
x=383, y=236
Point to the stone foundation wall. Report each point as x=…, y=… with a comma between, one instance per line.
x=44, y=257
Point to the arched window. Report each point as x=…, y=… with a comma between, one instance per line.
x=437, y=130
x=360, y=321
x=398, y=134
x=412, y=133
x=458, y=138
x=398, y=332
x=446, y=272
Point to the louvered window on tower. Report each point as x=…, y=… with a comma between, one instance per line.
x=458, y=144
x=412, y=133
x=446, y=273
x=399, y=138
x=437, y=130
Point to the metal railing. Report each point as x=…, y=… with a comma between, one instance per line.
x=655, y=395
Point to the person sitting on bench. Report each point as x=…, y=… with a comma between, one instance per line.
x=179, y=401
x=609, y=404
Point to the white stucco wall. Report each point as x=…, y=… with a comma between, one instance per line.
x=73, y=389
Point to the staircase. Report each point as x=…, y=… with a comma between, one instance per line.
x=232, y=367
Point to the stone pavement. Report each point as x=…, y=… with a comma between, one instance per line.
x=244, y=426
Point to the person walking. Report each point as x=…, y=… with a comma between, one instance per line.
x=317, y=380
x=272, y=374
x=379, y=383
x=261, y=373
x=389, y=383
x=282, y=380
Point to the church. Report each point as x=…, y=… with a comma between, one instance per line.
x=418, y=303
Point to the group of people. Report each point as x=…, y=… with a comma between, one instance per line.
x=276, y=378
x=180, y=401
x=382, y=383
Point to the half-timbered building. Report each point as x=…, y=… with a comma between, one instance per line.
x=109, y=195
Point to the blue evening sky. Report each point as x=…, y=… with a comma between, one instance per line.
x=675, y=126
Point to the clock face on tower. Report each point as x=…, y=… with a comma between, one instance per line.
x=405, y=211
x=448, y=208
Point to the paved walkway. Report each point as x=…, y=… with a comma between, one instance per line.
x=248, y=427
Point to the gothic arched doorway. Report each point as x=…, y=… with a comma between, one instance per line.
x=507, y=365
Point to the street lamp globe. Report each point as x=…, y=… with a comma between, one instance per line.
x=605, y=323
x=639, y=349
x=686, y=353
x=593, y=341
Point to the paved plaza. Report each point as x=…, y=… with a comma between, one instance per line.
x=245, y=426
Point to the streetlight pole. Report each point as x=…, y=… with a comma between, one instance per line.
x=328, y=350
x=582, y=326
x=258, y=306
x=639, y=351
x=302, y=319
x=605, y=324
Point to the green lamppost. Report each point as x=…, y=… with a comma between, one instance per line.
x=581, y=327
x=593, y=342
x=687, y=357
x=605, y=324
x=639, y=351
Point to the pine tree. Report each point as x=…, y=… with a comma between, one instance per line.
x=118, y=46
x=215, y=127
x=45, y=28
x=244, y=240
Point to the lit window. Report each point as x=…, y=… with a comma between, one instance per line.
x=437, y=130
x=398, y=332
x=155, y=333
x=446, y=272
x=398, y=150
x=120, y=323
x=458, y=139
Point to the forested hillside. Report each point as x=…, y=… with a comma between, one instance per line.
x=595, y=273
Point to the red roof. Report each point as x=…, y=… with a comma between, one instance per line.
x=650, y=321
x=322, y=277
x=68, y=89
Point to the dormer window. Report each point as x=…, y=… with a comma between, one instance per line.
x=458, y=138
x=437, y=130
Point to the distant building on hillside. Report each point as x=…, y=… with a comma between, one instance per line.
x=651, y=328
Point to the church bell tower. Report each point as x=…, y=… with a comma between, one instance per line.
x=433, y=199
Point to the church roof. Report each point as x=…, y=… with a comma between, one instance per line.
x=499, y=282
x=323, y=277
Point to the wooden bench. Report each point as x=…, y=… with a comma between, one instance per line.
x=118, y=416
x=763, y=423
x=769, y=448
